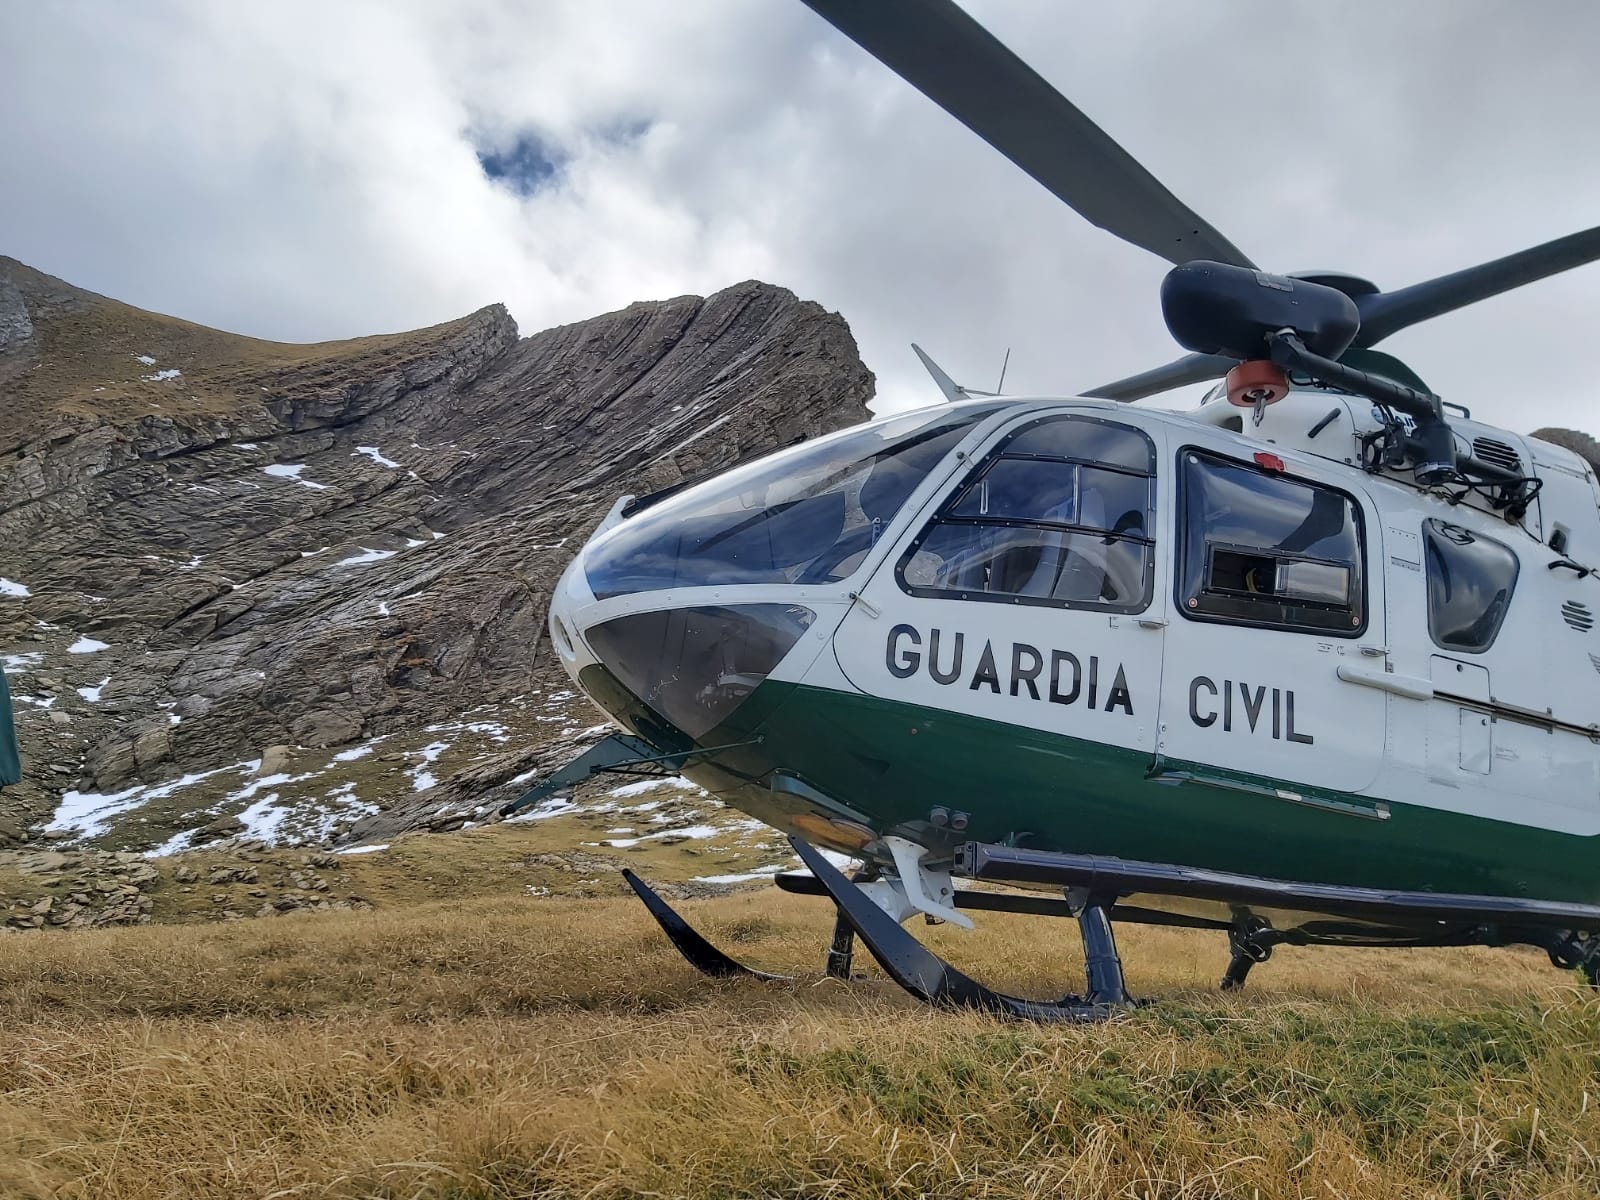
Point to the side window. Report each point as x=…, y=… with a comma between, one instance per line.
x=1470, y=580
x=1263, y=549
x=1059, y=514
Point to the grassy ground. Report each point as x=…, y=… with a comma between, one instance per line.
x=520, y=1045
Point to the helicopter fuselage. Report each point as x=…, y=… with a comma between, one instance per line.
x=1076, y=626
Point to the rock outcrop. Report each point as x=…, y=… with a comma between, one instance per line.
x=1581, y=444
x=216, y=547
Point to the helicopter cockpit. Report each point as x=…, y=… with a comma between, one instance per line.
x=807, y=515
x=692, y=600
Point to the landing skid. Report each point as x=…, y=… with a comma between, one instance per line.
x=909, y=963
x=933, y=981
x=872, y=910
x=702, y=955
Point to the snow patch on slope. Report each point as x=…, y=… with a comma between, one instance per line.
x=292, y=471
x=366, y=556
x=89, y=813
x=376, y=455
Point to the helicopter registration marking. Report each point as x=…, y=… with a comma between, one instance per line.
x=947, y=662
x=1204, y=693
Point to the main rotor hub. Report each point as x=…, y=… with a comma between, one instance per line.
x=1216, y=308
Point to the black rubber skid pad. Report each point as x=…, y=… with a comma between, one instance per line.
x=919, y=970
x=701, y=954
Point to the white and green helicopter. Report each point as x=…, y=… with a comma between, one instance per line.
x=1313, y=663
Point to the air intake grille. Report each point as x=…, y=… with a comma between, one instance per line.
x=1497, y=454
x=1595, y=659
x=1577, y=615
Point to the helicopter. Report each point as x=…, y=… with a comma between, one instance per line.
x=1314, y=662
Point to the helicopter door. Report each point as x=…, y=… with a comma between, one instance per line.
x=1503, y=642
x=1030, y=594
x=1277, y=606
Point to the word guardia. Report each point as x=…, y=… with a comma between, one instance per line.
x=947, y=662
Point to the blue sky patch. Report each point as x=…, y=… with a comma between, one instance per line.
x=525, y=166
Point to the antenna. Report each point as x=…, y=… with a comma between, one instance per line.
x=1006, y=362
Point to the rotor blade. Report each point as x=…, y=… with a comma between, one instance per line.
x=1386, y=313
x=959, y=65
x=1191, y=368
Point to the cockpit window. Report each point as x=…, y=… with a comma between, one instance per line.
x=805, y=515
x=1059, y=514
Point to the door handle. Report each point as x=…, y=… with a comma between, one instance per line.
x=861, y=602
x=1412, y=687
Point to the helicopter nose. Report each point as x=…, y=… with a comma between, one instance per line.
x=571, y=596
x=669, y=667
x=693, y=667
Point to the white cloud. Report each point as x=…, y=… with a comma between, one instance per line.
x=307, y=171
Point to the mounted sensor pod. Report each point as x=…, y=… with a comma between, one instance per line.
x=1212, y=308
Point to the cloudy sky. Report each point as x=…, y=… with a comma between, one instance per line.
x=313, y=169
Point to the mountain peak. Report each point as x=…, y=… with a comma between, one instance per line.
x=236, y=561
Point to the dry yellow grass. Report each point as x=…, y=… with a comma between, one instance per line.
x=556, y=1047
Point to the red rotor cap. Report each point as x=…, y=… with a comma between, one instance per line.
x=1258, y=381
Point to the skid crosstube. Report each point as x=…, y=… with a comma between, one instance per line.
x=922, y=972
x=910, y=964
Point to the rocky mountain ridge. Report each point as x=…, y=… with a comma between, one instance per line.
x=279, y=590
x=262, y=593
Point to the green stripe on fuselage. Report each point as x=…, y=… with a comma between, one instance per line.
x=895, y=761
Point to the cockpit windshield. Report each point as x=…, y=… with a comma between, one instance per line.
x=805, y=515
